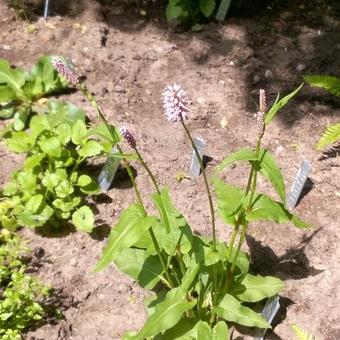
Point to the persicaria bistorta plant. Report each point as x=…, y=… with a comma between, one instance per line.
x=204, y=285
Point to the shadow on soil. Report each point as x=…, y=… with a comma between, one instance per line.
x=294, y=264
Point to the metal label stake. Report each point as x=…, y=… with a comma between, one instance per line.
x=109, y=170
x=298, y=184
x=195, y=165
x=46, y=9
x=269, y=311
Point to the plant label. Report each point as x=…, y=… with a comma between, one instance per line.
x=298, y=184
x=46, y=9
x=195, y=166
x=109, y=170
x=269, y=311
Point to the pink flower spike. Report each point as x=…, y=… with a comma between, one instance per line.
x=64, y=70
x=175, y=103
x=127, y=135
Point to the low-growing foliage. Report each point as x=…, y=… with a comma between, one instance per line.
x=51, y=185
x=203, y=284
x=332, y=84
x=21, y=91
x=301, y=334
x=20, y=294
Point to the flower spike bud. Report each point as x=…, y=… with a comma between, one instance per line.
x=127, y=135
x=64, y=70
x=263, y=102
x=175, y=103
x=260, y=124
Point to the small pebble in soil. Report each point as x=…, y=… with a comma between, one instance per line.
x=300, y=67
x=256, y=79
x=268, y=74
x=73, y=262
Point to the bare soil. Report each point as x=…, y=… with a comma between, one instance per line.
x=128, y=55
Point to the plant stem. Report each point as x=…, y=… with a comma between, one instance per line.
x=127, y=166
x=211, y=206
x=152, y=177
x=154, y=182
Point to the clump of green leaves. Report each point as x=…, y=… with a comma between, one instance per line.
x=51, y=185
x=20, y=294
x=204, y=284
x=21, y=91
x=193, y=11
x=332, y=84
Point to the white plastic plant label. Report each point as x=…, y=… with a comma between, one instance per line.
x=269, y=311
x=195, y=166
x=298, y=184
x=109, y=170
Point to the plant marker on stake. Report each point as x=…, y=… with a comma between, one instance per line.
x=109, y=171
x=269, y=311
x=195, y=166
x=298, y=184
x=46, y=9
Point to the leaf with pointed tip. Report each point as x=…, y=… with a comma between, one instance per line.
x=144, y=268
x=130, y=228
x=256, y=288
x=231, y=309
x=279, y=105
x=168, y=312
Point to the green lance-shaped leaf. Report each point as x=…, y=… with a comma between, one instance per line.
x=207, y=7
x=170, y=310
x=278, y=105
x=14, y=78
x=329, y=83
x=241, y=155
x=330, y=136
x=83, y=219
x=231, y=309
x=256, y=288
x=144, y=268
x=270, y=170
x=264, y=208
x=229, y=200
x=167, y=211
x=131, y=226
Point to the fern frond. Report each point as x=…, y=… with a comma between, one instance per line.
x=301, y=334
x=330, y=136
x=331, y=84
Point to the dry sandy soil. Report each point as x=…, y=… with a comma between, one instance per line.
x=128, y=58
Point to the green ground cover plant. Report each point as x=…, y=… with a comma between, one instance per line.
x=21, y=295
x=332, y=84
x=52, y=185
x=200, y=284
x=22, y=92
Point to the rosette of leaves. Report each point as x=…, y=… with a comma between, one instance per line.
x=21, y=294
x=200, y=288
x=332, y=84
x=21, y=91
x=52, y=186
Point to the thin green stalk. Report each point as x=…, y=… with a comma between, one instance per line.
x=211, y=206
x=127, y=166
x=152, y=177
